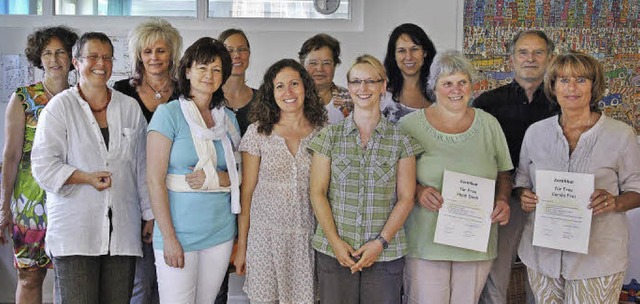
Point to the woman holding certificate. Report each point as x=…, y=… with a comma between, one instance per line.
x=465, y=140
x=580, y=140
x=362, y=188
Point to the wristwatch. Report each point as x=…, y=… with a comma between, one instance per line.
x=384, y=242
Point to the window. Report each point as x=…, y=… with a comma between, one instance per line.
x=174, y=8
x=270, y=9
x=22, y=7
x=289, y=9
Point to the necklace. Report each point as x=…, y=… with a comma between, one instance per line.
x=47, y=90
x=158, y=93
x=92, y=109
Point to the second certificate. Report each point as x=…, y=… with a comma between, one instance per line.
x=465, y=217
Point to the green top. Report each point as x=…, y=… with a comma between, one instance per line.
x=479, y=151
x=362, y=186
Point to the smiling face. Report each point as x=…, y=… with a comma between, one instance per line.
x=409, y=56
x=530, y=58
x=573, y=92
x=239, y=50
x=156, y=58
x=453, y=91
x=55, y=59
x=205, y=79
x=95, y=65
x=320, y=65
x=366, y=86
x=288, y=91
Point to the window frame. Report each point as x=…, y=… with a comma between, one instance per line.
x=200, y=22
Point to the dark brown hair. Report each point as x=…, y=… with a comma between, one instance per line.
x=204, y=51
x=317, y=42
x=38, y=41
x=266, y=111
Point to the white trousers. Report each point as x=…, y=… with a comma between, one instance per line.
x=199, y=280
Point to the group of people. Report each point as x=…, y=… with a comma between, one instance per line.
x=331, y=194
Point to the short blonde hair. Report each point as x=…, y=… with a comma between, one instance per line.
x=145, y=34
x=576, y=64
x=370, y=60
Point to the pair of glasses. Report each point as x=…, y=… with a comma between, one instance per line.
x=324, y=63
x=96, y=58
x=48, y=53
x=240, y=50
x=367, y=82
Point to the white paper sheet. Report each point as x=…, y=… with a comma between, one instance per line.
x=562, y=219
x=465, y=217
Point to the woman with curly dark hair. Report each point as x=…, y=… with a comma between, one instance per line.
x=276, y=219
x=192, y=169
x=409, y=56
x=22, y=212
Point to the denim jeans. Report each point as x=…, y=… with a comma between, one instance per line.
x=379, y=283
x=145, y=284
x=101, y=279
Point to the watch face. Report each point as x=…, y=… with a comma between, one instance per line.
x=326, y=7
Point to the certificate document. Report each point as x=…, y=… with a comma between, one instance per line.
x=465, y=217
x=562, y=219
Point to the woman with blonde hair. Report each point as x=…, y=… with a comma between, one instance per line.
x=362, y=188
x=154, y=47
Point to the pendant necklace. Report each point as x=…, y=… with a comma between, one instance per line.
x=157, y=94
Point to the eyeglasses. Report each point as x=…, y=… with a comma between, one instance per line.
x=367, y=82
x=240, y=50
x=323, y=63
x=96, y=58
x=48, y=53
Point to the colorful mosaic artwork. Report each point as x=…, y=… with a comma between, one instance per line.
x=607, y=29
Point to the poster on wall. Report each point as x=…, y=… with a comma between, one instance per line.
x=609, y=30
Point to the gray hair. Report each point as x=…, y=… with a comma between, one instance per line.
x=447, y=63
x=511, y=46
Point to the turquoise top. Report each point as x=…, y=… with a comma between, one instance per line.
x=479, y=151
x=201, y=219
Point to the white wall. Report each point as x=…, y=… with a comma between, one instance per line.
x=269, y=42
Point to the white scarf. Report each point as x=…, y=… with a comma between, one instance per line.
x=203, y=142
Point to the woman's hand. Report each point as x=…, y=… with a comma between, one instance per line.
x=528, y=200
x=196, y=179
x=99, y=180
x=240, y=261
x=6, y=219
x=602, y=201
x=366, y=255
x=344, y=253
x=223, y=179
x=147, y=231
x=501, y=213
x=429, y=198
x=173, y=253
